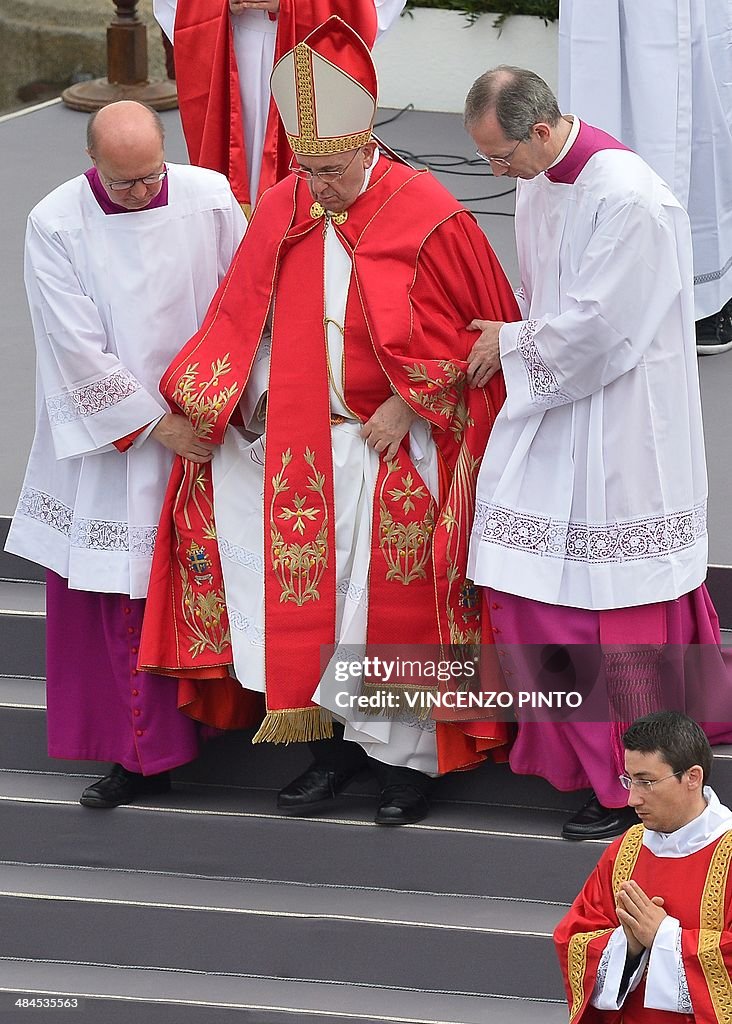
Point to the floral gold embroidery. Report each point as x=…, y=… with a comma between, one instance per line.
x=444, y=396
x=577, y=966
x=406, y=546
x=299, y=567
x=202, y=408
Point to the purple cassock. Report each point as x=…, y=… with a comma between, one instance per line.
x=100, y=707
x=588, y=754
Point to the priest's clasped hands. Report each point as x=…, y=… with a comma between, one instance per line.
x=485, y=356
x=640, y=916
x=270, y=6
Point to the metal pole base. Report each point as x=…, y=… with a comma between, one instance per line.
x=91, y=96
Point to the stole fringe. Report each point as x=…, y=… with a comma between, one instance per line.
x=299, y=726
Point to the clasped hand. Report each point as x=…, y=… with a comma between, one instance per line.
x=386, y=428
x=485, y=356
x=640, y=916
x=270, y=6
x=175, y=432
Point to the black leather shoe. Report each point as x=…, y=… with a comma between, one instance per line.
x=318, y=785
x=401, y=805
x=122, y=787
x=593, y=821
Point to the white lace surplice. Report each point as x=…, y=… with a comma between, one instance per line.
x=113, y=298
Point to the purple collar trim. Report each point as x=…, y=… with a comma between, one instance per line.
x=588, y=142
x=101, y=196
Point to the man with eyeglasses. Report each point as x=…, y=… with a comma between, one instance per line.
x=649, y=938
x=121, y=263
x=345, y=524
x=590, y=528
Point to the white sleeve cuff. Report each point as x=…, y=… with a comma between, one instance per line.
x=666, y=984
x=607, y=994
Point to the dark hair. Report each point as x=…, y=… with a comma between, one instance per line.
x=519, y=98
x=676, y=737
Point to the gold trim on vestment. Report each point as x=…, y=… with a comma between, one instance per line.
x=295, y=725
x=577, y=965
x=627, y=856
x=625, y=862
x=711, y=926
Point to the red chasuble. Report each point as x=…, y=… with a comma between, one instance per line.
x=208, y=82
x=422, y=270
x=696, y=890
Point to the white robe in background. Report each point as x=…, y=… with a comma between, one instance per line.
x=592, y=492
x=658, y=76
x=238, y=476
x=113, y=298
x=255, y=34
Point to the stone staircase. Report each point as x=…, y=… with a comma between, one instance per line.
x=206, y=903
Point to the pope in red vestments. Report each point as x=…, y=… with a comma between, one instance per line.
x=345, y=386
x=649, y=938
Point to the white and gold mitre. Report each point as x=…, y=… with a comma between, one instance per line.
x=326, y=91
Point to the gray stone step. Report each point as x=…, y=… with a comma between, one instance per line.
x=231, y=760
x=118, y=995
x=509, y=852
x=311, y=933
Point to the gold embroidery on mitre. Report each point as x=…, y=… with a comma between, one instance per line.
x=711, y=920
x=307, y=141
x=577, y=966
x=627, y=856
x=299, y=567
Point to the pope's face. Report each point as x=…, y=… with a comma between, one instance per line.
x=349, y=170
x=670, y=803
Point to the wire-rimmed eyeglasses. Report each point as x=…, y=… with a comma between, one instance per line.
x=643, y=785
x=502, y=161
x=325, y=176
x=148, y=179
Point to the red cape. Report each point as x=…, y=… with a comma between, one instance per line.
x=422, y=270
x=208, y=82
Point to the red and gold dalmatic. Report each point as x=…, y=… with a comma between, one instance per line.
x=421, y=270
x=696, y=890
x=208, y=82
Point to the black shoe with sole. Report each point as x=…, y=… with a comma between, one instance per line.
x=714, y=333
x=594, y=821
x=316, y=787
x=122, y=787
x=401, y=804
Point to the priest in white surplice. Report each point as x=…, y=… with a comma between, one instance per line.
x=591, y=508
x=658, y=76
x=121, y=263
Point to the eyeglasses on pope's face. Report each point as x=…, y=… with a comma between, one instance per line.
x=148, y=179
x=325, y=176
x=502, y=161
x=644, y=785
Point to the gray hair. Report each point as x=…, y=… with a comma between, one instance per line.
x=156, y=119
x=519, y=98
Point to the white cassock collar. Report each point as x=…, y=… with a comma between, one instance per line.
x=571, y=139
